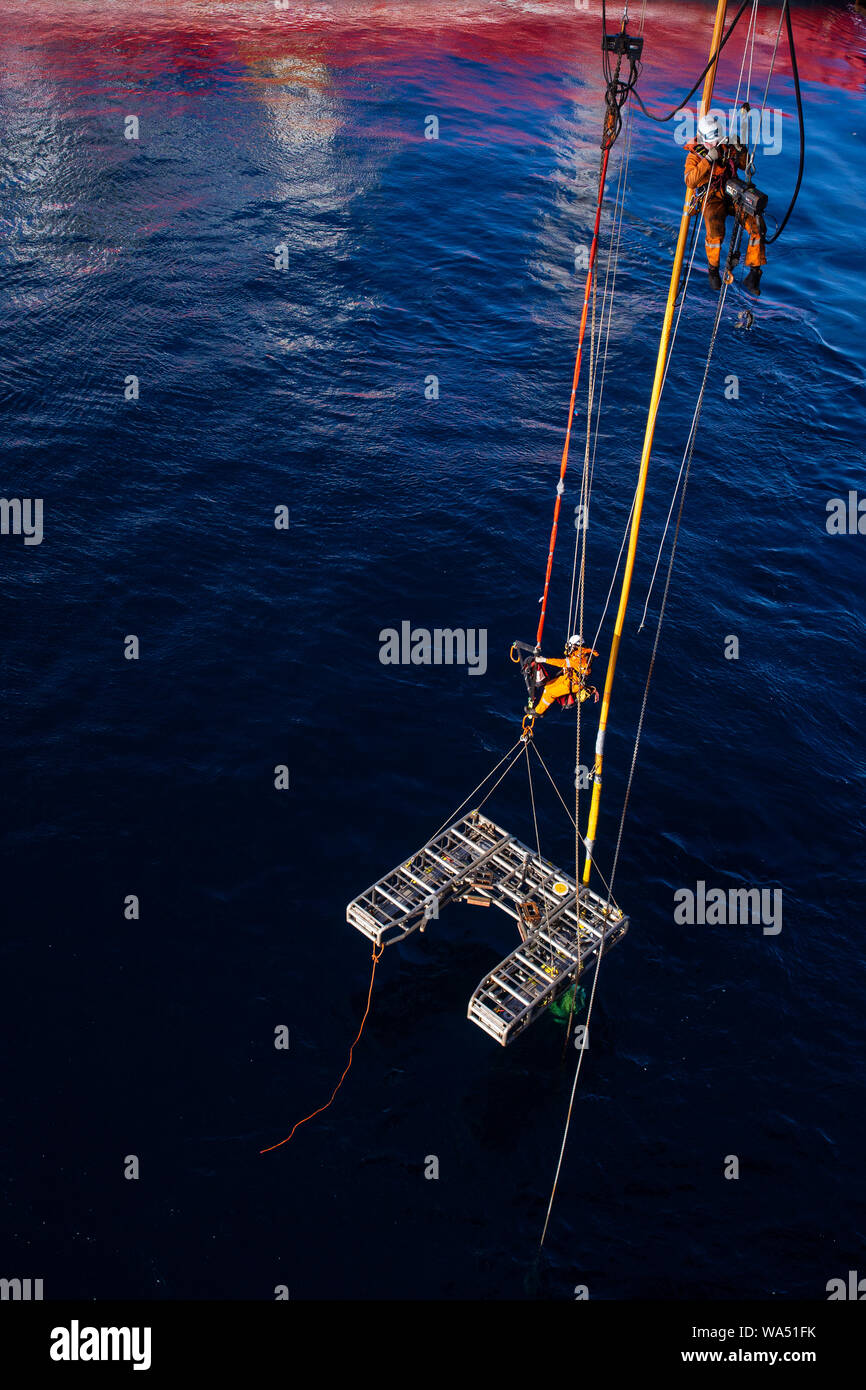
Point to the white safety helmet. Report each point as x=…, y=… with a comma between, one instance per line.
x=575, y=640
x=711, y=130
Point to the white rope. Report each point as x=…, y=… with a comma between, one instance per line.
x=754, y=27
x=685, y=452
x=770, y=72
x=750, y=30
x=607, y=304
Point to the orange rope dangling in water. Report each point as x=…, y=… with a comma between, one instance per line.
x=377, y=956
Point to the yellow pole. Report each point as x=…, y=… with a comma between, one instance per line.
x=592, y=825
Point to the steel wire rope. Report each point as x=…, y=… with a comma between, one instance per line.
x=515, y=749
x=626, y=798
x=566, y=809
x=540, y=860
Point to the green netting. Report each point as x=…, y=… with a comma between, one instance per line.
x=561, y=1010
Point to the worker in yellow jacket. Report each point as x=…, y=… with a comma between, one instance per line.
x=710, y=160
x=571, y=686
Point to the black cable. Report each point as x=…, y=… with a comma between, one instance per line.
x=800, y=122
x=615, y=96
x=689, y=95
x=616, y=90
x=605, y=57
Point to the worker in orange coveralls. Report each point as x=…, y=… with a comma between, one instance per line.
x=571, y=685
x=711, y=159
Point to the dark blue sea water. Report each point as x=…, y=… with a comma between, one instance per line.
x=258, y=388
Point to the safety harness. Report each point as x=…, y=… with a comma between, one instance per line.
x=728, y=167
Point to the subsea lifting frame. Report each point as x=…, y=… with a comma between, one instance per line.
x=478, y=862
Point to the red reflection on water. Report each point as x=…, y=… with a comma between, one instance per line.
x=138, y=40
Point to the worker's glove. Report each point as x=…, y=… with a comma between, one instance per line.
x=712, y=155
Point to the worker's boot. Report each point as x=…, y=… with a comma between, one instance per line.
x=714, y=277
x=752, y=282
